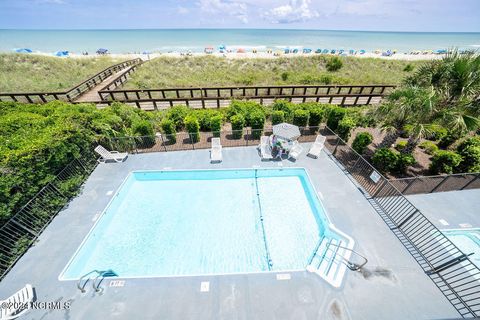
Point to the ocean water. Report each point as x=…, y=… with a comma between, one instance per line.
x=167, y=40
x=172, y=223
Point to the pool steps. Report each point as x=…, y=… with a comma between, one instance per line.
x=330, y=259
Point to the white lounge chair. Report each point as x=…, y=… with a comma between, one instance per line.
x=18, y=304
x=216, y=151
x=317, y=146
x=106, y=155
x=264, y=147
x=295, y=151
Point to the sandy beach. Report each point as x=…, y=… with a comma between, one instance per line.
x=257, y=55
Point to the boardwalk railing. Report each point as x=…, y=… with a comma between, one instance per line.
x=220, y=96
x=71, y=94
x=120, y=80
x=448, y=267
x=20, y=231
x=430, y=184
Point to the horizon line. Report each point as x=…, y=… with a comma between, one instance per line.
x=211, y=28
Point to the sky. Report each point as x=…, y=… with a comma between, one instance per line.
x=369, y=15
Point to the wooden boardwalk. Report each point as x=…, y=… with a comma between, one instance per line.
x=92, y=95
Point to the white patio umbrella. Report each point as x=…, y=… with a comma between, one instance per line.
x=286, y=131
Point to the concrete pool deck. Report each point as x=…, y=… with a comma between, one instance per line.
x=391, y=286
x=450, y=210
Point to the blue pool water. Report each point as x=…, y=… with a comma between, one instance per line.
x=171, y=223
x=468, y=241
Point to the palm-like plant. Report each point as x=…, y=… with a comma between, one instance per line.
x=408, y=105
x=455, y=81
x=444, y=92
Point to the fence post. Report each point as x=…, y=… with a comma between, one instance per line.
x=246, y=136
x=409, y=184
x=191, y=141
x=135, y=145
x=474, y=179
x=438, y=185
x=380, y=188
x=336, y=145
x=163, y=142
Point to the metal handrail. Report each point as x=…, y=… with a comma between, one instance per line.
x=100, y=274
x=350, y=265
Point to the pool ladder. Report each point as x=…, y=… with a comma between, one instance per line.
x=100, y=275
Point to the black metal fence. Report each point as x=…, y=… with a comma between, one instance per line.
x=186, y=141
x=430, y=184
x=449, y=268
x=23, y=228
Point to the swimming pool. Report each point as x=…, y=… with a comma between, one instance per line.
x=178, y=223
x=467, y=240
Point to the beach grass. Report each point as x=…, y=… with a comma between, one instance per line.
x=30, y=73
x=216, y=71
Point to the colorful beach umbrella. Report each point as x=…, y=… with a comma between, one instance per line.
x=23, y=50
x=61, y=53
x=102, y=51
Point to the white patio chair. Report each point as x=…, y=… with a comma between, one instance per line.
x=216, y=151
x=106, y=155
x=264, y=147
x=317, y=146
x=18, y=304
x=295, y=151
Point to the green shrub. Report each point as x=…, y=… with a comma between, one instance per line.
x=246, y=109
x=168, y=128
x=447, y=140
x=37, y=141
x=470, y=142
x=436, y=133
x=334, y=64
x=345, y=127
x=385, y=160
x=216, y=125
x=365, y=117
x=445, y=162
x=238, y=122
x=326, y=79
x=406, y=132
x=315, y=117
x=334, y=115
x=408, y=68
x=257, y=121
x=401, y=145
x=470, y=152
x=403, y=161
x=470, y=159
x=193, y=127
x=177, y=114
x=429, y=147
x=300, y=117
x=284, y=76
x=278, y=116
x=204, y=117
x=285, y=106
x=144, y=129
x=361, y=141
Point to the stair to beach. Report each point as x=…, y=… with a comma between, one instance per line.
x=92, y=95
